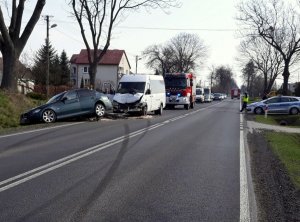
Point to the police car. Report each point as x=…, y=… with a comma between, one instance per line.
x=276, y=104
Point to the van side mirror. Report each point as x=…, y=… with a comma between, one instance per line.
x=148, y=92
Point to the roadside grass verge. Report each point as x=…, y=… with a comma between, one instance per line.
x=287, y=147
x=11, y=106
x=289, y=120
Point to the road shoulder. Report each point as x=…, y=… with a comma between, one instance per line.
x=276, y=197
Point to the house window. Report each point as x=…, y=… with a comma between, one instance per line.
x=74, y=70
x=85, y=69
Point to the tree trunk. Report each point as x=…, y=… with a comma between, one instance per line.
x=92, y=73
x=9, y=78
x=285, y=74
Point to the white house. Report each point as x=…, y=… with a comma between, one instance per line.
x=111, y=67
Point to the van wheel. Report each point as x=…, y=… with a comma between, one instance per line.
x=159, y=111
x=144, y=111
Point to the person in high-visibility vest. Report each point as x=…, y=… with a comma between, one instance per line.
x=245, y=102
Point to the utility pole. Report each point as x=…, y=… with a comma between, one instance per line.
x=136, y=63
x=47, y=46
x=48, y=66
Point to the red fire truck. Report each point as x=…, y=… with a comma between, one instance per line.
x=235, y=93
x=180, y=89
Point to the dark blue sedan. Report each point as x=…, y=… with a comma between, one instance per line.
x=72, y=103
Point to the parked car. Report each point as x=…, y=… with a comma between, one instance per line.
x=218, y=96
x=276, y=104
x=72, y=103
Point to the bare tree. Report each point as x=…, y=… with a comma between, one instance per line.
x=224, y=81
x=278, y=24
x=159, y=58
x=12, y=41
x=267, y=60
x=249, y=75
x=189, y=51
x=183, y=53
x=101, y=15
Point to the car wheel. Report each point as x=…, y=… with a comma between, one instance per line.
x=258, y=110
x=99, y=110
x=49, y=116
x=294, y=111
x=187, y=106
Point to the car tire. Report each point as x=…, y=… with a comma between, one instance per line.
x=294, y=111
x=99, y=110
x=49, y=116
x=258, y=111
x=187, y=106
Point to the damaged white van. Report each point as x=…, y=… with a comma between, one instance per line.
x=138, y=93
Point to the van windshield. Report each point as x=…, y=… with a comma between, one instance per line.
x=131, y=87
x=199, y=92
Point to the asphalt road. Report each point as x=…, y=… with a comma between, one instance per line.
x=181, y=166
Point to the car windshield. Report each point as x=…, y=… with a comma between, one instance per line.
x=131, y=87
x=56, y=98
x=175, y=83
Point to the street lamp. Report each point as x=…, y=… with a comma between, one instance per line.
x=47, y=45
x=136, y=63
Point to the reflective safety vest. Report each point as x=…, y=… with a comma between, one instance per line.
x=246, y=99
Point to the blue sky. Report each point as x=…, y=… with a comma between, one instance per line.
x=212, y=20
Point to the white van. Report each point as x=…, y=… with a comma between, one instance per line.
x=200, y=95
x=140, y=93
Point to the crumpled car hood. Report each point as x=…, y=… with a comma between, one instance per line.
x=127, y=98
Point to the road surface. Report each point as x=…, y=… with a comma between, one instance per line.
x=181, y=166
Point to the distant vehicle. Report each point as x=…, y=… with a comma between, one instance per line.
x=208, y=97
x=180, y=89
x=276, y=104
x=72, y=103
x=140, y=93
x=235, y=93
x=200, y=95
x=218, y=96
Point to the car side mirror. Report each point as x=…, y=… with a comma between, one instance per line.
x=148, y=92
x=64, y=99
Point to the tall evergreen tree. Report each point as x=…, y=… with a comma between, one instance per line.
x=39, y=70
x=65, y=68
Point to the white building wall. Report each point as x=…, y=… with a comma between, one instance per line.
x=124, y=66
x=106, y=74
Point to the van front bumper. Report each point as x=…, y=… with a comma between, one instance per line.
x=127, y=107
